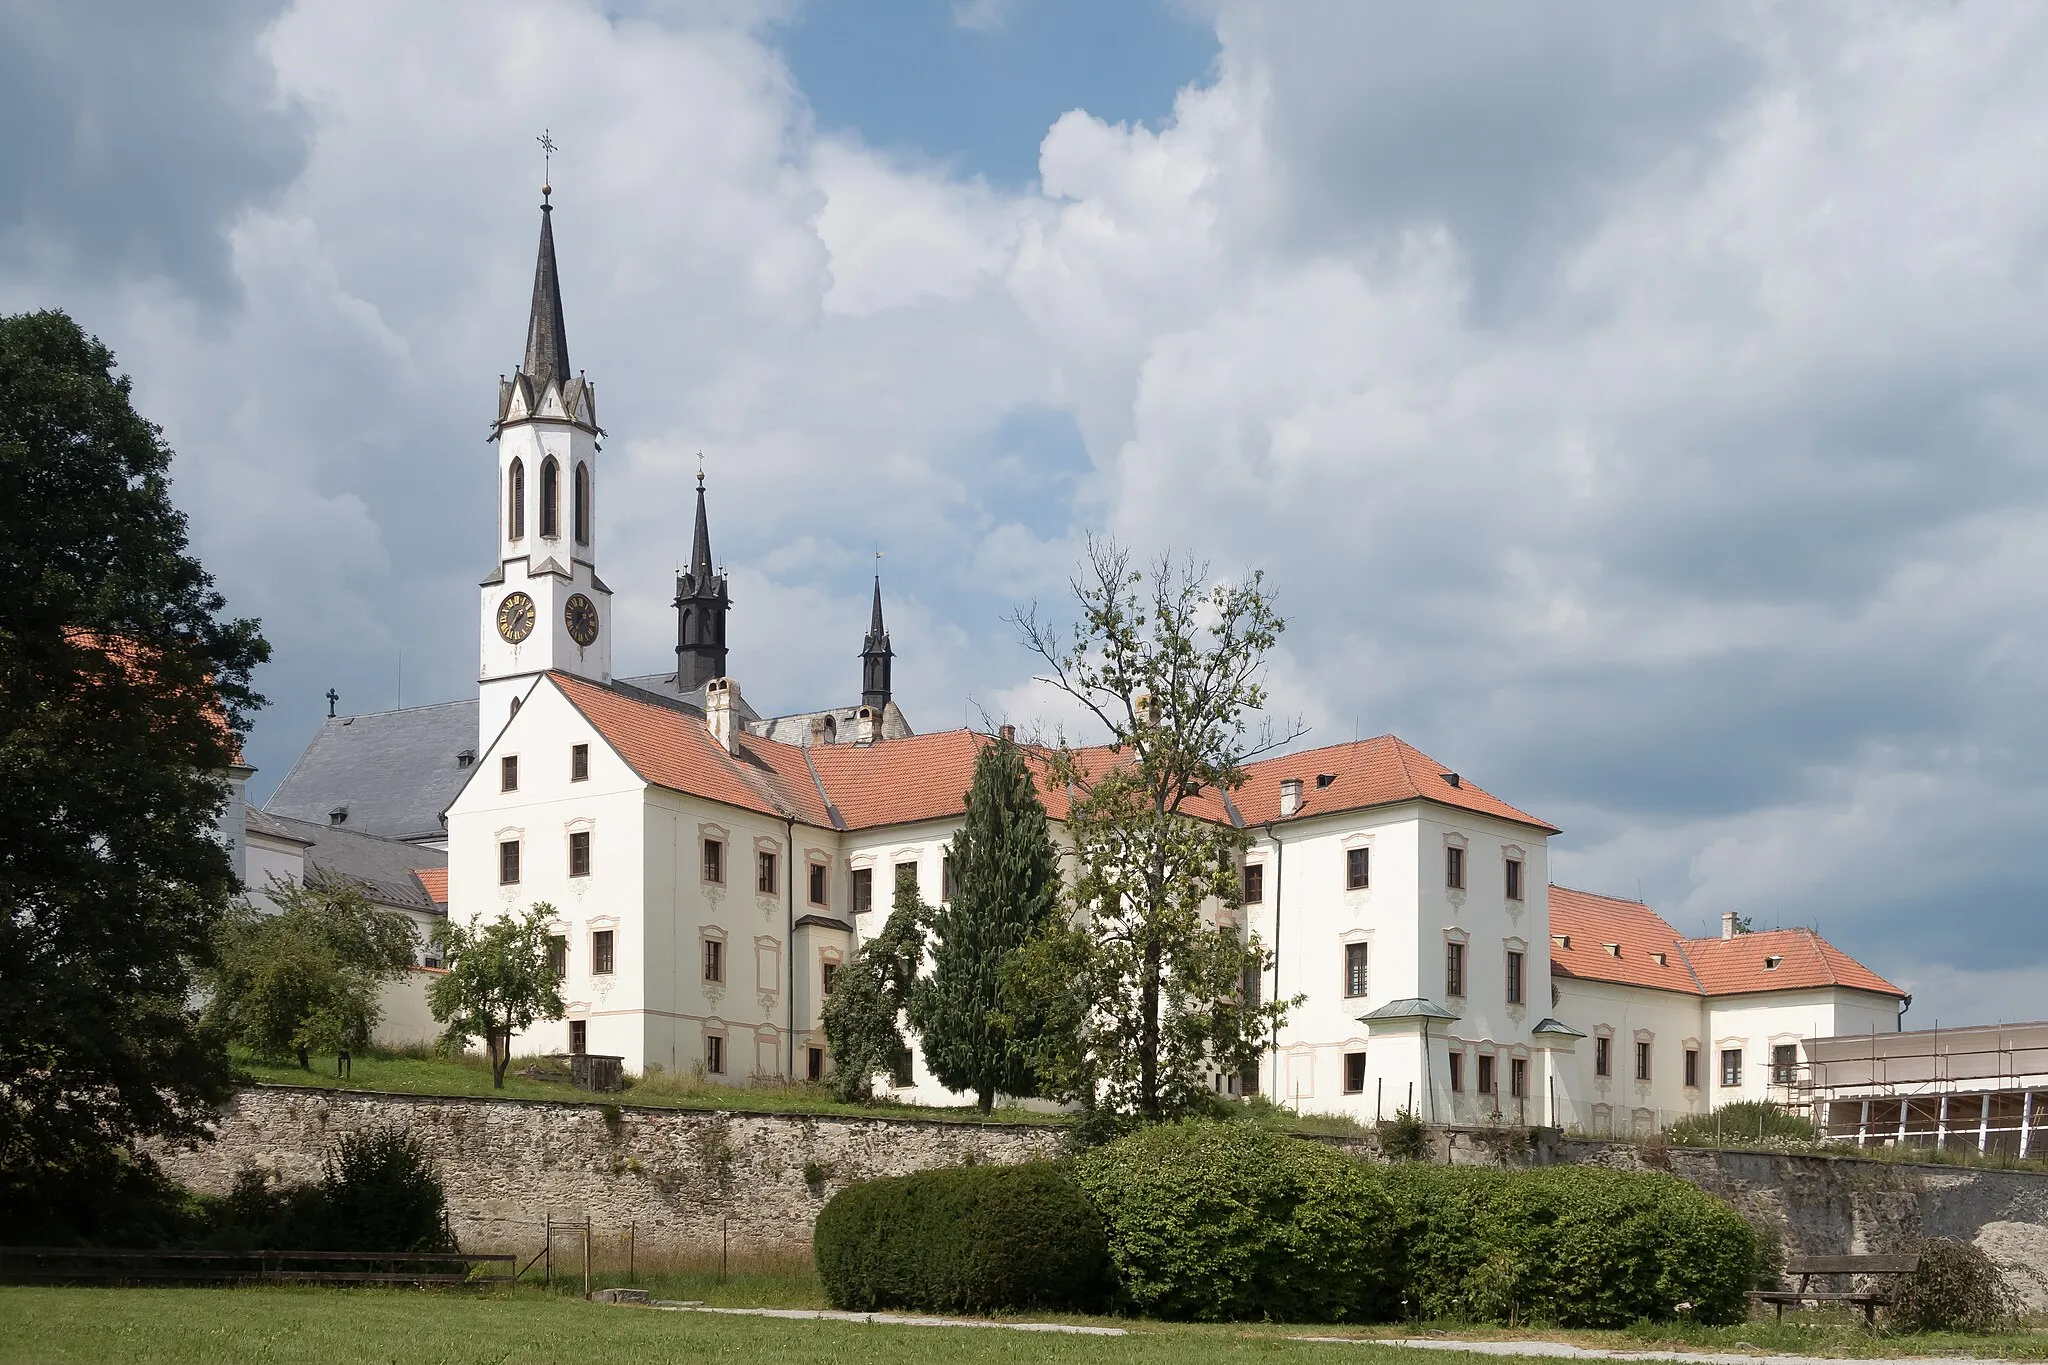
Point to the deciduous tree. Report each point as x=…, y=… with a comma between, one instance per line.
x=864, y=1014
x=124, y=691
x=499, y=981
x=1006, y=887
x=1158, y=988
x=308, y=977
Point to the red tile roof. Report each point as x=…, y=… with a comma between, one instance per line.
x=1739, y=965
x=898, y=781
x=1698, y=966
x=1367, y=772
x=1583, y=925
x=435, y=880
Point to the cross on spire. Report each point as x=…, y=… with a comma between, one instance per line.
x=548, y=148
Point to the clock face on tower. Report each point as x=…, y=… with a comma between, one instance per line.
x=580, y=615
x=515, y=617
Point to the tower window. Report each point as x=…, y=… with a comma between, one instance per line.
x=550, y=498
x=515, y=501
x=580, y=507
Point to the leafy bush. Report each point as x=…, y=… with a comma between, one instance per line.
x=1214, y=1221
x=1744, y=1123
x=1574, y=1245
x=378, y=1193
x=1957, y=1288
x=1404, y=1137
x=973, y=1239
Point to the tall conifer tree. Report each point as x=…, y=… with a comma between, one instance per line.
x=1006, y=886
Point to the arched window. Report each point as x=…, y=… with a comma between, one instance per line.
x=515, y=501
x=550, y=498
x=581, y=509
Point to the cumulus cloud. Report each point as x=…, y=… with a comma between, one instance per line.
x=1640, y=411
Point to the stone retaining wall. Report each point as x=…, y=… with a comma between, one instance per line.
x=671, y=1174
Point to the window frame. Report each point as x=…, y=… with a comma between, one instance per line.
x=1511, y=878
x=1454, y=867
x=861, y=888
x=1357, y=969
x=1454, y=969
x=714, y=1054
x=1456, y=1057
x=711, y=860
x=508, y=862
x=579, y=762
x=1358, y=868
x=579, y=842
x=558, y=956
x=1783, y=1071
x=579, y=1037
x=818, y=887
x=1517, y=990
x=767, y=871
x=550, y=499
x=1354, y=1073
x=515, y=498
x=1251, y=888
x=828, y=976
x=1487, y=1082
x=1692, y=1068
x=1731, y=1068
x=508, y=772
x=579, y=503
x=1603, y=1057
x=713, y=961
x=604, y=952
x=1645, y=1054
x=1518, y=1078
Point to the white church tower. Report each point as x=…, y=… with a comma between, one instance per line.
x=544, y=607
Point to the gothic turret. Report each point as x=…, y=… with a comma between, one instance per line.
x=875, y=656
x=701, y=603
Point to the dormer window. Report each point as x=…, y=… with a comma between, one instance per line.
x=338, y=816
x=466, y=758
x=1771, y=962
x=1611, y=949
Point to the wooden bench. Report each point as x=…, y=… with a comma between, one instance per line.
x=1806, y=1267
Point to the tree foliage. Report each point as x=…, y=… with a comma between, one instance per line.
x=498, y=982
x=863, y=1015
x=307, y=978
x=123, y=693
x=1149, y=988
x=1006, y=887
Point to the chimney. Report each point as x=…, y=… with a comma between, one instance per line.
x=867, y=725
x=1727, y=924
x=721, y=695
x=1009, y=734
x=1290, y=796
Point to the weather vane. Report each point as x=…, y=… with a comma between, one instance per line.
x=548, y=148
x=700, y=469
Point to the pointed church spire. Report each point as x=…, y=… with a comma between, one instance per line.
x=547, y=340
x=875, y=656
x=700, y=543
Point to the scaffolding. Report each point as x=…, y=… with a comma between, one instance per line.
x=1983, y=1088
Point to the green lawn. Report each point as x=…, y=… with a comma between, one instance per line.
x=409, y=1074
x=280, y=1326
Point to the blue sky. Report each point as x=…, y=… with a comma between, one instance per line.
x=1642, y=411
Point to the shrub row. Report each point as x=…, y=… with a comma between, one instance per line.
x=973, y=1239
x=1222, y=1221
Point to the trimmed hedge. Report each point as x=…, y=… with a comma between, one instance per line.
x=971, y=1239
x=1219, y=1221
x=1573, y=1245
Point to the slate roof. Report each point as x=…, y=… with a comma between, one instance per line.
x=389, y=871
x=394, y=771
x=1695, y=966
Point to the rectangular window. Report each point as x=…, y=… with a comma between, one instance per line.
x=906, y=878
x=1357, y=869
x=508, y=862
x=1254, y=883
x=1485, y=1074
x=830, y=976
x=1514, y=879
x=814, y=1066
x=579, y=853
x=601, y=952
x=946, y=877
x=714, y=1054
x=1731, y=1066
x=579, y=763
x=1603, y=1056
x=1518, y=1078
x=1457, y=1071
x=579, y=1037
x=1354, y=969
x=900, y=1074
x=1514, y=977
x=714, y=862
x=1454, y=868
x=818, y=884
x=1692, y=1066
x=714, y=960
x=508, y=773
x=1642, y=1061
x=765, y=880
x=1354, y=1072
x=1784, y=1063
x=1454, y=969
x=558, y=956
